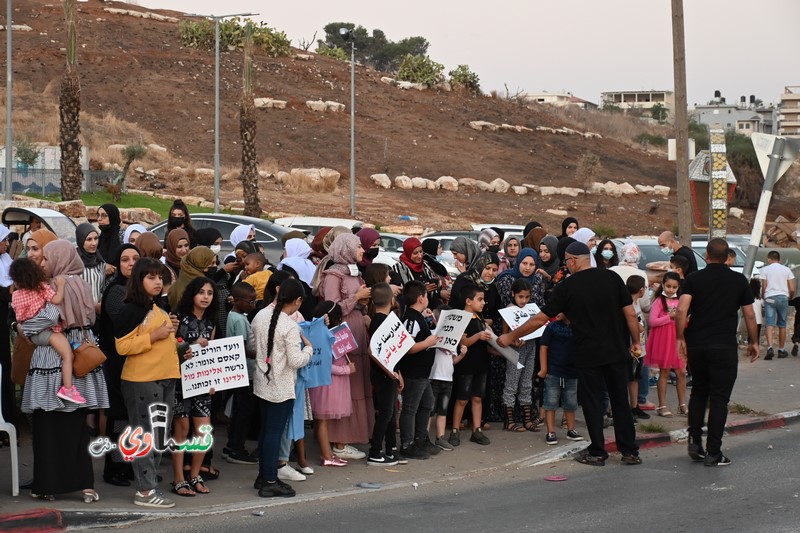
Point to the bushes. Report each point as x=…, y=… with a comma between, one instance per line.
x=200, y=34
x=421, y=69
x=462, y=76
x=332, y=51
x=650, y=139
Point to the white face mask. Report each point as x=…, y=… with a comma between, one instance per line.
x=215, y=248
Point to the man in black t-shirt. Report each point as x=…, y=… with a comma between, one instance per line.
x=713, y=297
x=606, y=333
x=671, y=246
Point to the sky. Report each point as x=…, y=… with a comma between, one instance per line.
x=739, y=47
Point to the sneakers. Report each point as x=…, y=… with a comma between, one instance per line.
x=429, y=447
x=394, y=455
x=770, y=354
x=716, y=460
x=574, y=435
x=631, y=460
x=241, y=457
x=442, y=443
x=585, y=458
x=333, y=461
x=71, y=395
x=783, y=354
x=794, y=350
x=154, y=498
x=279, y=489
x=455, y=438
x=380, y=459
x=695, y=450
x=647, y=406
x=287, y=473
x=479, y=438
x=551, y=439
x=307, y=470
x=638, y=412
x=349, y=452
x=412, y=452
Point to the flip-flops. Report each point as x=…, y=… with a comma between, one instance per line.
x=183, y=486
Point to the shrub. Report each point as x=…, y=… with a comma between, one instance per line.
x=26, y=152
x=462, y=76
x=421, y=69
x=588, y=168
x=649, y=138
x=604, y=232
x=200, y=34
x=332, y=51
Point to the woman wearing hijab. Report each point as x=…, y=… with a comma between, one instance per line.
x=316, y=245
x=177, y=248
x=116, y=471
x=108, y=220
x=568, y=226
x=511, y=248
x=296, y=262
x=587, y=237
x=342, y=283
x=371, y=243
x=465, y=251
x=132, y=233
x=60, y=435
x=34, y=246
x=533, y=238
x=245, y=232
x=7, y=400
x=411, y=266
x=548, y=254
x=489, y=240
x=431, y=252
x=482, y=273
x=193, y=265
x=94, y=268
x=326, y=261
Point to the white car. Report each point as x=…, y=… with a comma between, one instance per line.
x=312, y=225
x=741, y=256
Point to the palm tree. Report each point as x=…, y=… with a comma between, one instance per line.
x=69, y=106
x=247, y=130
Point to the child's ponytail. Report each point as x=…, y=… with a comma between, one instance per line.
x=288, y=291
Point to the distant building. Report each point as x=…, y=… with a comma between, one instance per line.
x=742, y=117
x=790, y=112
x=558, y=100
x=644, y=100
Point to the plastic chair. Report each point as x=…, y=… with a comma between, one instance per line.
x=12, y=440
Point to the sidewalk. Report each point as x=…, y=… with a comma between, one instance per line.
x=765, y=387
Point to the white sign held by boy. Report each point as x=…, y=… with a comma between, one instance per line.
x=220, y=365
x=451, y=327
x=516, y=316
x=390, y=342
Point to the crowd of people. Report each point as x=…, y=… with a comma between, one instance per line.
x=145, y=303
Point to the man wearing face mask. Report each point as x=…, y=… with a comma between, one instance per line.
x=670, y=245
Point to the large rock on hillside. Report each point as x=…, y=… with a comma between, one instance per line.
x=500, y=185
x=403, y=182
x=419, y=183
x=381, y=180
x=448, y=183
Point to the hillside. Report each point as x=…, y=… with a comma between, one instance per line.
x=139, y=84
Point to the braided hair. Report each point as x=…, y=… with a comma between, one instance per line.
x=288, y=291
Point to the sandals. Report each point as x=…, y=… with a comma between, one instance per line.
x=90, y=496
x=209, y=473
x=513, y=426
x=530, y=423
x=683, y=410
x=182, y=488
x=663, y=411
x=198, y=481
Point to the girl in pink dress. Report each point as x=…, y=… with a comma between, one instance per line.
x=661, y=348
x=342, y=284
x=331, y=402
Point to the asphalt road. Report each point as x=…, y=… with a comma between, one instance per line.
x=758, y=492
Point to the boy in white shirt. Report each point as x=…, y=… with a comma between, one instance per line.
x=442, y=385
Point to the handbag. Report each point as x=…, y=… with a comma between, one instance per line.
x=87, y=357
x=21, y=359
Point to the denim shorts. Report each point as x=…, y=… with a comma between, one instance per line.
x=560, y=392
x=442, y=390
x=775, y=310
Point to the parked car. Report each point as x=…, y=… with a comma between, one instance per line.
x=58, y=223
x=653, y=260
x=267, y=233
x=508, y=228
x=741, y=256
x=312, y=225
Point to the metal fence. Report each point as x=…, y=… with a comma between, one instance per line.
x=48, y=182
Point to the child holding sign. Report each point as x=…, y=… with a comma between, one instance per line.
x=470, y=374
x=519, y=381
x=442, y=384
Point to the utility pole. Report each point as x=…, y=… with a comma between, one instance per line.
x=681, y=124
x=9, y=127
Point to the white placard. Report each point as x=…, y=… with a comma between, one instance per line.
x=508, y=352
x=390, y=342
x=516, y=316
x=219, y=366
x=452, y=325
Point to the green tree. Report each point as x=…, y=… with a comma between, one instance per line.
x=26, y=152
x=659, y=112
x=375, y=50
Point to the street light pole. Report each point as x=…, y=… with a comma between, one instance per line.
x=217, y=18
x=9, y=126
x=347, y=35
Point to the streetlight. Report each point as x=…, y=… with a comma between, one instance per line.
x=217, y=18
x=9, y=127
x=347, y=35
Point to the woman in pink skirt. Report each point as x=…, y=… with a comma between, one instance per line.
x=342, y=284
x=331, y=402
x=662, y=349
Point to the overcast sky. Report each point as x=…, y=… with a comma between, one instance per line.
x=740, y=47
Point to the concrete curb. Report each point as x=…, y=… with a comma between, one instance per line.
x=45, y=520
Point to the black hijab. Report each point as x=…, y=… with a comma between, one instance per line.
x=561, y=249
x=206, y=236
x=564, y=224
x=430, y=248
x=82, y=233
x=528, y=227
x=109, y=233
